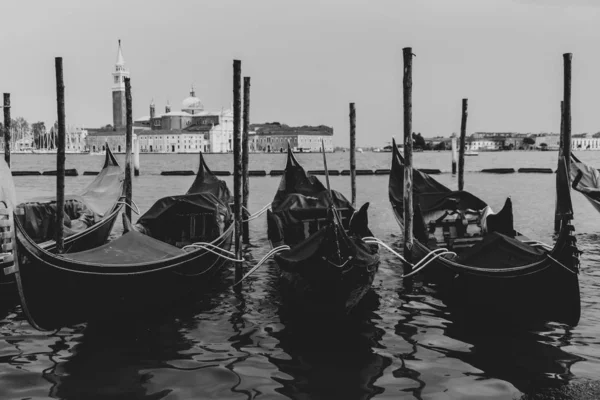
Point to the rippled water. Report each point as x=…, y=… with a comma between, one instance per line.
x=401, y=342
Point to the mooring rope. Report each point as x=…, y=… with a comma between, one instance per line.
x=136, y=210
x=257, y=214
x=270, y=254
x=425, y=261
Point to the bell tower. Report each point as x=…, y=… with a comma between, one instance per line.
x=118, y=91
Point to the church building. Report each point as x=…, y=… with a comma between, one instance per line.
x=190, y=130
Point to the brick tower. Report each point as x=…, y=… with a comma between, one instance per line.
x=118, y=91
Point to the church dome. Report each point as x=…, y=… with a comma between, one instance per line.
x=192, y=103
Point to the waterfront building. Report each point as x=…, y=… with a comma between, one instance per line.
x=190, y=130
x=274, y=137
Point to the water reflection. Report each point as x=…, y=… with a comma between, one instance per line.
x=528, y=357
x=121, y=360
x=331, y=358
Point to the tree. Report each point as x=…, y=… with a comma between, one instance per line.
x=418, y=141
x=39, y=130
x=440, y=146
x=529, y=141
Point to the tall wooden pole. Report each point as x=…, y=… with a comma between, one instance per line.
x=60, y=157
x=567, y=57
x=136, y=156
x=7, y=128
x=560, y=159
x=461, y=147
x=454, y=153
x=237, y=164
x=353, y=153
x=245, y=151
x=128, y=149
x=408, y=172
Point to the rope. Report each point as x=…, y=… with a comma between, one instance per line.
x=271, y=253
x=415, y=267
x=136, y=210
x=257, y=214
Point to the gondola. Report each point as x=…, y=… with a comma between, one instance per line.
x=328, y=268
x=173, y=247
x=495, y=271
x=89, y=216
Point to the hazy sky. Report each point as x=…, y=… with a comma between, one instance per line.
x=308, y=59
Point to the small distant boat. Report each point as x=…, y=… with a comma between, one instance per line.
x=471, y=153
x=359, y=150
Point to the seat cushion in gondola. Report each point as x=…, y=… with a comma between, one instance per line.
x=132, y=247
x=500, y=251
x=38, y=218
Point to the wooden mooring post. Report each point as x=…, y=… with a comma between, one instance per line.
x=128, y=148
x=353, y=153
x=565, y=152
x=461, y=146
x=567, y=57
x=237, y=164
x=7, y=128
x=245, y=155
x=136, y=156
x=408, y=147
x=454, y=153
x=560, y=158
x=60, y=157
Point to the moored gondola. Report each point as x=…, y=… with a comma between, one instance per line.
x=89, y=216
x=496, y=271
x=328, y=268
x=177, y=244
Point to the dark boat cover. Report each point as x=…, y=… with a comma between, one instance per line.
x=500, y=251
x=131, y=248
x=302, y=197
x=168, y=220
x=201, y=214
x=428, y=193
x=81, y=211
x=295, y=180
x=207, y=182
x=325, y=242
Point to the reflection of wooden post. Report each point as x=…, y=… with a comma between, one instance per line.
x=454, y=155
x=245, y=151
x=60, y=157
x=128, y=148
x=408, y=146
x=237, y=164
x=353, y=153
x=136, y=156
x=7, y=128
x=461, y=148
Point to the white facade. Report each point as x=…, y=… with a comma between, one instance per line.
x=482, y=144
x=586, y=143
x=172, y=142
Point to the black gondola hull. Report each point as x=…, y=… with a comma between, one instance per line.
x=318, y=286
x=54, y=295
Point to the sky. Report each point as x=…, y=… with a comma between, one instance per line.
x=309, y=59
